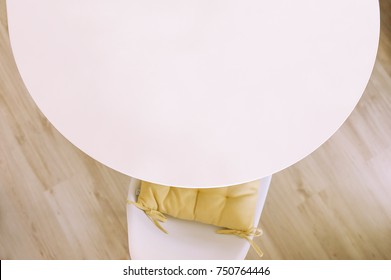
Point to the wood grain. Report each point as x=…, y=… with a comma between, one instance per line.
x=58, y=203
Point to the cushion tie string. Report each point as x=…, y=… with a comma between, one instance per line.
x=154, y=215
x=246, y=235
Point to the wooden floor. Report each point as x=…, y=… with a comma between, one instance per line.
x=57, y=203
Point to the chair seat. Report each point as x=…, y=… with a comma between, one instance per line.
x=185, y=239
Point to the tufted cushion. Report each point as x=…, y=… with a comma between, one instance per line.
x=228, y=207
x=232, y=208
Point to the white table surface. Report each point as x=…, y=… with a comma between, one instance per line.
x=195, y=93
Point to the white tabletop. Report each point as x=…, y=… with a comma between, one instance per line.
x=195, y=93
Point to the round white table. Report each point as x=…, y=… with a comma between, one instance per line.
x=197, y=93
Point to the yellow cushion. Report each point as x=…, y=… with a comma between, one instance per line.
x=232, y=208
x=228, y=207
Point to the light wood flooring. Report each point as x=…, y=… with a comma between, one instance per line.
x=58, y=203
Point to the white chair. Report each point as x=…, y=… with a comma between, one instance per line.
x=185, y=239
